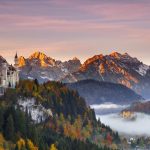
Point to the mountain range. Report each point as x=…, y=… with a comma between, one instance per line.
x=45, y=68
x=115, y=68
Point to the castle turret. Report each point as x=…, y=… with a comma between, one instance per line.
x=16, y=61
x=16, y=73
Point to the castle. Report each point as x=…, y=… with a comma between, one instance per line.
x=9, y=75
x=127, y=114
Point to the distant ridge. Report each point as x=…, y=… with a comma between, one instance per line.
x=96, y=92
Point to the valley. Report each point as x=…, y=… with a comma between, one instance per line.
x=129, y=123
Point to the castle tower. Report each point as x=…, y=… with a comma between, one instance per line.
x=16, y=61
x=16, y=74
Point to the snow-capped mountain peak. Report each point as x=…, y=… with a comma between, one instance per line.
x=45, y=68
x=115, y=67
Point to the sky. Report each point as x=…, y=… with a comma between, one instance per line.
x=64, y=29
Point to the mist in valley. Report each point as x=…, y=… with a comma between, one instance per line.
x=109, y=114
x=107, y=108
x=140, y=126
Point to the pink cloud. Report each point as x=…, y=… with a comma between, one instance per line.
x=120, y=11
x=41, y=22
x=88, y=27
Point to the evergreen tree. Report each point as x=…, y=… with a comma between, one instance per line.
x=1, y=119
x=9, y=129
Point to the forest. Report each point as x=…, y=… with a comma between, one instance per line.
x=73, y=125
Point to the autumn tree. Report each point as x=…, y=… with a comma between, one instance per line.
x=53, y=147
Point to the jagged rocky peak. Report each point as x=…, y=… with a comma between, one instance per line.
x=94, y=58
x=37, y=55
x=126, y=54
x=111, y=57
x=115, y=54
x=75, y=59
x=2, y=60
x=42, y=59
x=21, y=61
x=119, y=56
x=71, y=66
x=124, y=57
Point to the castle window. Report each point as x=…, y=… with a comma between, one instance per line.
x=9, y=84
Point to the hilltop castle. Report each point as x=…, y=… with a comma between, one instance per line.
x=9, y=74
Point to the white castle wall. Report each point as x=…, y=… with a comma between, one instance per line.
x=8, y=76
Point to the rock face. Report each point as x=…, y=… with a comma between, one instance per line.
x=116, y=68
x=22, y=61
x=37, y=111
x=96, y=92
x=45, y=68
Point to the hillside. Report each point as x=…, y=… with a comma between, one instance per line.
x=95, y=92
x=49, y=115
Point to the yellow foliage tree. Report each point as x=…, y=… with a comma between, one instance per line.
x=31, y=145
x=1, y=142
x=20, y=143
x=53, y=147
x=4, y=145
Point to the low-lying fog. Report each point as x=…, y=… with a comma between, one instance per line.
x=109, y=115
x=140, y=126
x=108, y=108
